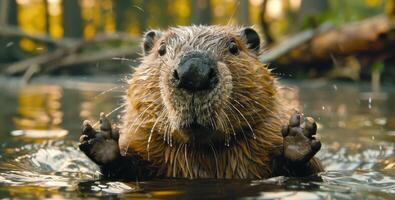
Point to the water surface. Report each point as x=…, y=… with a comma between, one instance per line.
x=39, y=127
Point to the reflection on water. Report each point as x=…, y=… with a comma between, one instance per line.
x=39, y=112
x=357, y=129
x=39, y=107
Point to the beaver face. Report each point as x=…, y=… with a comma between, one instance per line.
x=197, y=67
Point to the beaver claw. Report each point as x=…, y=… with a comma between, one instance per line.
x=101, y=146
x=300, y=144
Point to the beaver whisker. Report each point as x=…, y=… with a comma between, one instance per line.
x=117, y=108
x=165, y=130
x=247, y=110
x=186, y=160
x=254, y=101
x=242, y=130
x=146, y=85
x=145, y=96
x=227, y=142
x=216, y=160
x=108, y=114
x=221, y=123
x=167, y=134
x=108, y=90
x=138, y=117
x=175, y=160
x=164, y=117
x=254, y=109
x=233, y=14
x=224, y=128
x=268, y=111
x=144, y=75
x=212, y=122
x=171, y=139
x=234, y=115
x=238, y=111
x=230, y=124
x=142, y=122
x=142, y=113
x=163, y=61
x=151, y=132
x=248, y=124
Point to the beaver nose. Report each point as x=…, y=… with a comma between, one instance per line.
x=196, y=72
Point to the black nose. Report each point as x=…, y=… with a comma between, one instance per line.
x=196, y=71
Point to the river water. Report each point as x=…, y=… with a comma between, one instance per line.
x=39, y=130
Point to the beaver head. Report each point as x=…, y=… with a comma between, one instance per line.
x=200, y=83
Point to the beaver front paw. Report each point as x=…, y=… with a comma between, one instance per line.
x=101, y=146
x=300, y=144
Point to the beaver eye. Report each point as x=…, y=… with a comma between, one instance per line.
x=233, y=48
x=162, y=49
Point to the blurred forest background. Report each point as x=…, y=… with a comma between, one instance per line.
x=332, y=39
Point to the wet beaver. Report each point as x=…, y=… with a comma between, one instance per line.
x=201, y=105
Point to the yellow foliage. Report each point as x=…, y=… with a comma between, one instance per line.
x=224, y=12
x=373, y=3
x=55, y=18
x=134, y=29
x=31, y=16
x=99, y=15
x=390, y=8
x=89, y=31
x=255, y=11
x=27, y=44
x=181, y=11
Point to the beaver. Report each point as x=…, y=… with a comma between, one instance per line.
x=201, y=105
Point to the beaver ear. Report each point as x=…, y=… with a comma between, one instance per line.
x=149, y=40
x=252, y=38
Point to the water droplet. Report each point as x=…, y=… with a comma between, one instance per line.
x=171, y=140
x=370, y=102
x=9, y=44
x=323, y=107
x=335, y=87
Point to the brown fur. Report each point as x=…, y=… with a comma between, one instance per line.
x=245, y=110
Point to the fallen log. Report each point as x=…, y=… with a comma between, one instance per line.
x=11, y=31
x=83, y=58
x=368, y=37
x=39, y=60
x=68, y=52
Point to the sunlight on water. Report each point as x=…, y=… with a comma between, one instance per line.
x=39, y=130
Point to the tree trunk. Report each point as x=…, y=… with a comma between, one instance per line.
x=72, y=19
x=47, y=18
x=368, y=39
x=121, y=8
x=265, y=24
x=313, y=7
x=310, y=10
x=201, y=11
x=243, y=14
x=142, y=16
x=8, y=12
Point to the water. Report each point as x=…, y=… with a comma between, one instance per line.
x=357, y=128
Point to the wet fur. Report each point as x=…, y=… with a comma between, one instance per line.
x=245, y=110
